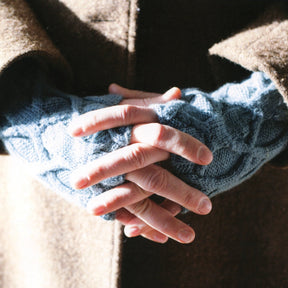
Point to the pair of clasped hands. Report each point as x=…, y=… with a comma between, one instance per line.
x=150, y=143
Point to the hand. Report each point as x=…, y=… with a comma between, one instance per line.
x=150, y=143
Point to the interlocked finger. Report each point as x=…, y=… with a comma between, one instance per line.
x=117, y=198
x=135, y=226
x=172, y=140
x=124, y=217
x=125, y=195
x=161, y=182
x=134, y=111
x=111, y=117
x=162, y=220
x=118, y=162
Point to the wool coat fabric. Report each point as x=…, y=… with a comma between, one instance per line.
x=150, y=45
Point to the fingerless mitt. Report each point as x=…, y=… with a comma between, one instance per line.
x=36, y=132
x=245, y=125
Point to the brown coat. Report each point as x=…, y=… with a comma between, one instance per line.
x=46, y=242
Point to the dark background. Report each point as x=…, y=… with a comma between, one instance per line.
x=243, y=242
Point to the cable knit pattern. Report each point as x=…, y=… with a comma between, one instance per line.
x=245, y=125
x=37, y=133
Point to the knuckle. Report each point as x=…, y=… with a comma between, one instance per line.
x=159, y=133
x=183, y=146
x=141, y=94
x=137, y=156
x=88, y=121
x=190, y=201
x=94, y=118
x=145, y=102
x=141, y=208
x=171, y=206
x=99, y=170
x=113, y=199
x=127, y=113
x=142, y=193
x=96, y=172
x=157, y=181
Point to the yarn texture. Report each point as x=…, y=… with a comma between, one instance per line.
x=245, y=125
x=37, y=134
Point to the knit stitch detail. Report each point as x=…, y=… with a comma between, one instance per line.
x=245, y=125
x=37, y=134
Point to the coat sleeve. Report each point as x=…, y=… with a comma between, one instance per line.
x=22, y=36
x=261, y=47
x=244, y=124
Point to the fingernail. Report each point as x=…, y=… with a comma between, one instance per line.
x=186, y=236
x=205, y=206
x=204, y=155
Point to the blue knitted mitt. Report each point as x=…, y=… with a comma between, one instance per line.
x=245, y=125
x=37, y=134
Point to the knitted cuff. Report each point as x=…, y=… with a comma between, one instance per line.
x=245, y=125
x=37, y=133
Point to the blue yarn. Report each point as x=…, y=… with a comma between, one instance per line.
x=245, y=125
x=37, y=134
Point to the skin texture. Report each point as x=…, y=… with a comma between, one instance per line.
x=151, y=142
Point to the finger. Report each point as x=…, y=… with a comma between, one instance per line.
x=118, y=162
x=172, y=94
x=136, y=227
x=129, y=93
x=110, y=117
x=135, y=111
x=124, y=217
x=176, y=229
x=161, y=136
x=124, y=195
x=114, y=199
x=172, y=207
x=161, y=182
x=172, y=140
x=158, y=217
x=152, y=235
